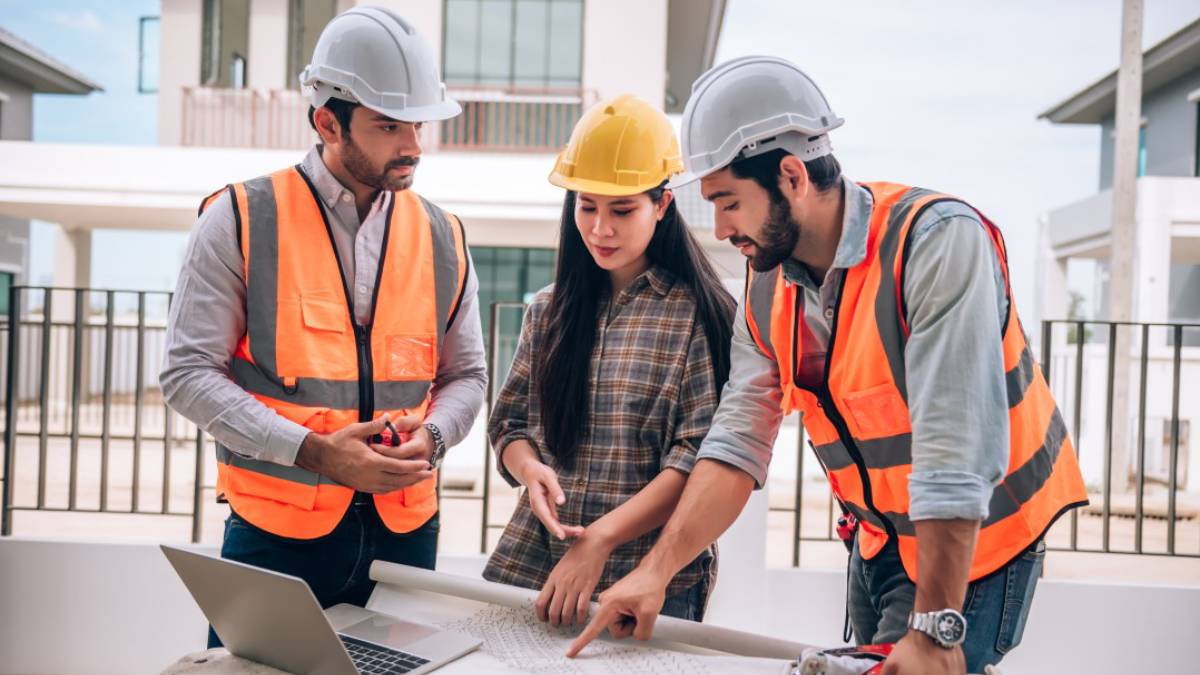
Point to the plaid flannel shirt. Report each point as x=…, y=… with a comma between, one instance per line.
x=652, y=398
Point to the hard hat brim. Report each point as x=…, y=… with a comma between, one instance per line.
x=437, y=112
x=596, y=187
x=688, y=177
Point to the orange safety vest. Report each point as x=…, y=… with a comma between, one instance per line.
x=304, y=356
x=858, y=417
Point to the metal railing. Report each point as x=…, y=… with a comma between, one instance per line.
x=1073, y=353
x=81, y=401
x=493, y=119
x=81, y=389
x=514, y=120
x=245, y=118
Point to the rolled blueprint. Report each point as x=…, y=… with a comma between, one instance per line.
x=667, y=628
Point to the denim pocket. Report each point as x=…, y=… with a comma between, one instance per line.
x=1020, y=582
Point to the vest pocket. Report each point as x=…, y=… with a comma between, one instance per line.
x=411, y=357
x=250, y=483
x=877, y=412
x=321, y=313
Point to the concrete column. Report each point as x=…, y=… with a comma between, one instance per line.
x=72, y=258
x=1053, y=299
x=267, y=66
x=1151, y=287
x=180, y=29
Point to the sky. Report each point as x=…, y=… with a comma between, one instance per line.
x=938, y=93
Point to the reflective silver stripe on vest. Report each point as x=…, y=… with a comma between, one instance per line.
x=761, y=299
x=1019, y=378
x=262, y=279
x=335, y=394
x=445, y=265
x=290, y=473
x=1009, y=496
x=878, y=453
x=888, y=312
x=1021, y=485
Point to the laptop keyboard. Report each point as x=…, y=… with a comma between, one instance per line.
x=372, y=659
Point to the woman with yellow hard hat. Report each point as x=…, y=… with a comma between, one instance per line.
x=616, y=376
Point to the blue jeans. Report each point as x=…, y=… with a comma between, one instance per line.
x=689, y=604
x=334, y=566
x=880, y=597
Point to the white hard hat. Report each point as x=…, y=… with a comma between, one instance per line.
x=372, y=56
x=748, y=106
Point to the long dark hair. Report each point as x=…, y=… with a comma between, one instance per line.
x=563, y=373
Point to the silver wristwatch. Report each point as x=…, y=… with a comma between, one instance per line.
x=947, y=627
x=439, y=445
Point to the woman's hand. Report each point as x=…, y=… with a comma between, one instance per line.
x=568, y=591
x=545, y=496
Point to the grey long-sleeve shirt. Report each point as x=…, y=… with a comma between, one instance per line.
x=208, y=317
x=954, y=290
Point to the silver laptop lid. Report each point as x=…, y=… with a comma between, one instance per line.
x=261, y=615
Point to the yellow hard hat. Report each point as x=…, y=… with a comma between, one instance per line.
x=619, y=147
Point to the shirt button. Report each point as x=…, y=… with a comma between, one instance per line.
x=362, y=289
x=828, y=313
x=579, y=482
x=346, y=197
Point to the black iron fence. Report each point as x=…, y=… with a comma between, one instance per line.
x=86, y=429
x=81, y=378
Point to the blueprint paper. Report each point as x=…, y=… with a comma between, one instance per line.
x=666, y=628
x=514, y=637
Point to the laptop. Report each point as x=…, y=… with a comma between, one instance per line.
x=274, y=619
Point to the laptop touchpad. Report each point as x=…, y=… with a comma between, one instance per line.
x=384, y=630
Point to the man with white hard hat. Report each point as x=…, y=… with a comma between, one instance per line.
x=883, y=314
x=325, y=331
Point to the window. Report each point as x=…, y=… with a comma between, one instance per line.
x=522, y=43
x=306, y=20
x=6, y=283
x=148, y=46
x=237, y=72
x=508, y=275
x=1196, y=154
x=225, y=39
x=1141, y=168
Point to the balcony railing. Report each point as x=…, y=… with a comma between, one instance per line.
x=493, y=119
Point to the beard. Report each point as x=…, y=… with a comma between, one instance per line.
x=359, y=166
x=777, y=240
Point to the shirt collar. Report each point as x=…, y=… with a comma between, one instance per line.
x=852, y=247
x=328, y=186
x=655, y=278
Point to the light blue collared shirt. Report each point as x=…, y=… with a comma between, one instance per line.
x=955, y=294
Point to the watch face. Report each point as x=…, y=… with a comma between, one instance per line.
x=951, y=628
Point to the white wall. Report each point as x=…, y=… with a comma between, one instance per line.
x=267, y=60
x=119, y=608
x=625, y=48
x=179, y=63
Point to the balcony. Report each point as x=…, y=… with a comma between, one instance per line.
x=493, y=119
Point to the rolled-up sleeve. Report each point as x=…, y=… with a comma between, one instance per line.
x=954, y=366
x=509, y=420
x=747, y=421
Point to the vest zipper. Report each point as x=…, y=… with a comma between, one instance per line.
x=362, y=334
x=366, y=373
x=825, y=400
